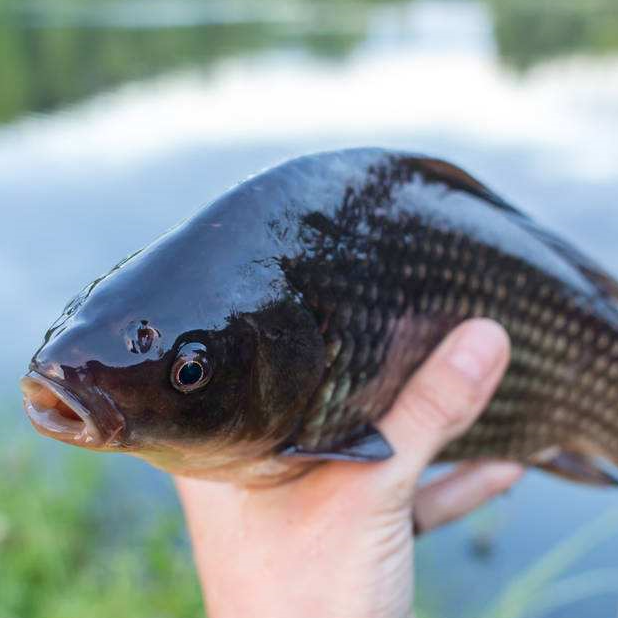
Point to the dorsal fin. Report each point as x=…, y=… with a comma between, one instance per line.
x=457, y=179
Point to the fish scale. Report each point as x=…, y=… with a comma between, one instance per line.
x=444, y=278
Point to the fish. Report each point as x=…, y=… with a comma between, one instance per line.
x=272, y=330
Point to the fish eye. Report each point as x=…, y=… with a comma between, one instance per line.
x=190, y=373
x=191, y=370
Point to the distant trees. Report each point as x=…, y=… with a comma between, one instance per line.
x=529, y=31
x=52, y=54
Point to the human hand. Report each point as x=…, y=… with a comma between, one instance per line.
x=338, y=542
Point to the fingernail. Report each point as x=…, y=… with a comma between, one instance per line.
x=507, y=471
x=503, y=475
x=479, y=348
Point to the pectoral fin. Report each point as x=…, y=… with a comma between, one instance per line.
x=577, y=466
x=368, y=445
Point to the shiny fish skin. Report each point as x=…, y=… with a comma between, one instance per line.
x=318, y=287
x=419, y=278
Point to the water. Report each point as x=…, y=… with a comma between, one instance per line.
x=117, y=122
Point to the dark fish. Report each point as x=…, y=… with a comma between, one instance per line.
x=273, y=328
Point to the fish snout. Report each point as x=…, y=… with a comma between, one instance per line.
x=56, y=412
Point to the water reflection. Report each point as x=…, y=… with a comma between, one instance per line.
x=55, y=54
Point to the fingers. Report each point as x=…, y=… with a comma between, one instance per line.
x=447, y=394
x=460, y=492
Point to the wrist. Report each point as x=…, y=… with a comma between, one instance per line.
x=336, y=569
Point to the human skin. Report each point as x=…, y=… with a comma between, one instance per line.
x=338, y=542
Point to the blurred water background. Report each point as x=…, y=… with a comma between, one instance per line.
x=117, y=119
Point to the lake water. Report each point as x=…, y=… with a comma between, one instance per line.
x=117, y=121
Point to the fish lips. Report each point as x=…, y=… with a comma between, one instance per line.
x=56, y=412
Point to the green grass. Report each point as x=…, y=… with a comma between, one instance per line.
x=62, y=556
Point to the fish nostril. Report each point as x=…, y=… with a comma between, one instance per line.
x=145, y=338
x=140, y=337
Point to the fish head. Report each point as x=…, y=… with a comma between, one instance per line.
x=157, y=359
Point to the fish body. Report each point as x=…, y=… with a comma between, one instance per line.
x=276, y=326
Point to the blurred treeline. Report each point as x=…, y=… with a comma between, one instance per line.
x=529, y=31
x=56, y=52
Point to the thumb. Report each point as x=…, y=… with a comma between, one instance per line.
x=447, y=394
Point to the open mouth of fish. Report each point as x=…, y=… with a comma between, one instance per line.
x=55, y=412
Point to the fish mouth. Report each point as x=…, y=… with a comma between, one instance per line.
x=58, y=414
